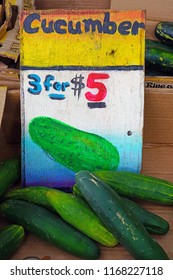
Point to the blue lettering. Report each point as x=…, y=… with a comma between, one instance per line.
x=65, y=85
x=28, y=22
x=124, y=27
x=73, y=30
x=109, y=27
x=49, y=28
x=35, y=84
x=62, y=26
x=91, y=25
x=47, y=83
x=57, y=86
x=136, y=26
x=58, y=24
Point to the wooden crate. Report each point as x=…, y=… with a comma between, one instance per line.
x=72, y=4
x=156, y=10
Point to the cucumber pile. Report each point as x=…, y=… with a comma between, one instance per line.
x=159, y=54
x=119, y=218
x=99, y=212
x=11, y=236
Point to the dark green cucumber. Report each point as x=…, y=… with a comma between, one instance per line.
x=134, y=185
x=76, y=191
x=153, y=223
x=75, y=211
x=149, y=43
x=119, y=219
x=10, y=173
x=71, y=208
x=33, y=194
x=164, y=32
x=50, y=227
x=152, y=72
x=159, y=59
x=11, y=238
x=71, y=147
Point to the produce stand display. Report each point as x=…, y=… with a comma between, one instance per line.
x=157, y=139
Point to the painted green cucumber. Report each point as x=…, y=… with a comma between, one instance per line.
x=139, y=186
x=75, y=211
x=10, y=173
x=111, y=209
x=159, y=59
x=50, y=227
x=71, y=147
x=11, y=237
x=164, y=32
x=153, y=223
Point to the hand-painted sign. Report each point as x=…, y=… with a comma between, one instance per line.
x=82, y=87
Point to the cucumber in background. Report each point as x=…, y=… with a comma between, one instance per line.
x=10, y=173
x=164, y=32
x=159, y=59
x=150, y=43
x=140, y=186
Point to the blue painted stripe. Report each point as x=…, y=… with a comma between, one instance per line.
x=85, y=68
x=56, y=96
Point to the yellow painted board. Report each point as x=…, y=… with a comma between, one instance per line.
x=116, y=38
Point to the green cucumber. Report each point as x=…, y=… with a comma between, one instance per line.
x=119, y=219
x=149, y=43
x=11, y=238
x=49, y=227
x=72, y=209
x=159, y=59
x=152, y=72
x=136, y=185
x=153, y=223
x=71, y=147
x=10, y=173
x=75, y=211
x=76, y=191
x=33, y=194
x=164, y=32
